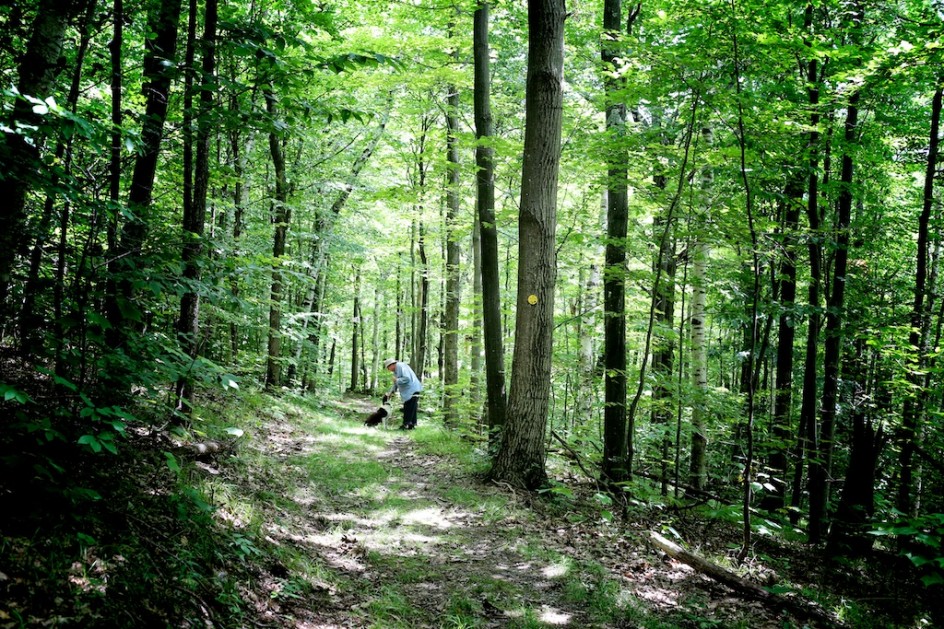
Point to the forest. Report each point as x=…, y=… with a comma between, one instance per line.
x=669, y=274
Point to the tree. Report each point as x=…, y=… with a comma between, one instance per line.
x=451, y=314
x=918, y=336
x=38, y=70
x=194, y=219
x=615, y=463
x=161, y=48
x=819, y=492
x=281, y=217
x=485, y=206
x=520, y=458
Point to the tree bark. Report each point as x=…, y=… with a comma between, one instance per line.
x=451, y=315
x=819, y=490
x=918, y=337
x=615, y=465
x=698, y=468
x=848, y=533
x=31, y=322
x=520, y=458
x=807, y=442
x=188, y=326
x=663, y=353
x=159, y=70
x=356, y=332
x=786, y=335
x=485, y=206
x=281, y=216
x=421, y=341
x=37, y=71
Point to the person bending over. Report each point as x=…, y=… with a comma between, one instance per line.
x=409, y=386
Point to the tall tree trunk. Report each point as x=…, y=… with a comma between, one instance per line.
x=615, y=460
x=159, y=69
x=240, y=201
x=31, y=321
x=421, y=342
x=663, y=354
x=475, y=334
x=786, y=335
x=698, y=468
x=520, y=458
x=918, y=337
x=356, y=332
x=281, y=216
x=374, y=338
x=451, y=315
x=38, y=69
x=819, y=489
x=807, y=442
x=114, y=166
x=188, y=326
x=485, y=205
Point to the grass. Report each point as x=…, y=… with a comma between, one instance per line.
x=392, y=609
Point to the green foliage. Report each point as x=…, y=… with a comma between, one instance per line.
x=921, y=541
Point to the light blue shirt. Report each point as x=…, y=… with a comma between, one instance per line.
x=405, y=381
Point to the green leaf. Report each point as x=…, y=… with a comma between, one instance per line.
x=236, y=432
x=171, y=461
x=85, y=540
x=12, y=394
x=92, y=442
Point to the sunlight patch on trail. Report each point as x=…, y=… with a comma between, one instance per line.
x=427, y=517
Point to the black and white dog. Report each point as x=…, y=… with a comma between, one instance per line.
x=380, y=415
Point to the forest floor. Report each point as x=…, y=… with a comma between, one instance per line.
x=312, y=520
x=405, y=533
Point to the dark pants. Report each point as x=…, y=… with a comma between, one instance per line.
x=409, y=411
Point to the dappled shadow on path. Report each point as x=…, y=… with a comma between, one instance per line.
x=397, y=536
x=415, y=542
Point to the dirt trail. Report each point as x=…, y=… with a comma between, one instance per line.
x=419, y=543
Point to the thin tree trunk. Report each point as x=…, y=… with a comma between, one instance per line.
x=786, y=335
x=615, y=456
x=375, y=348
x=161, y=49
x=281, y=216
x=807, y=442
x=663, y=354
x=398, y=342
x=188, y=326
x=31, y=322
x=918, y=337
x=421, y=342
x=485, y=205
x=819, y=489
x=356, y=332
x=451, y=315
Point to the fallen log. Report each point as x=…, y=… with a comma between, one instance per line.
x=704, y=566
x=799, y=608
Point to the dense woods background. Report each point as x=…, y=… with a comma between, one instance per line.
x=700, y=242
